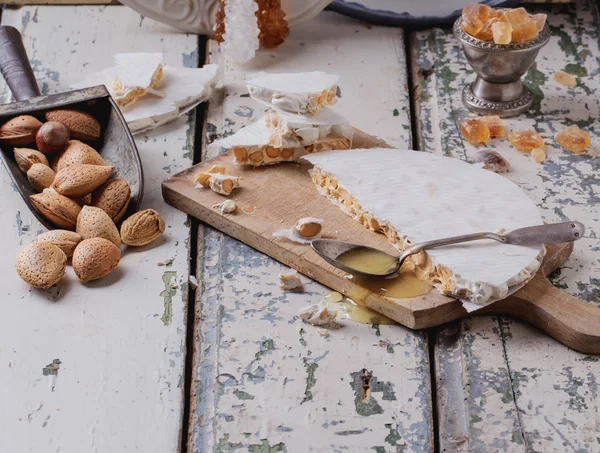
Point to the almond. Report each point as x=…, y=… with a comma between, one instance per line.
x=40, y=176
x=41, y=264
x=58, y=209
x=82, y=125
x=113, y=197
x=77, y=153
x=94, y=258
x=80, y=179
x=26, y=157
x=20, y=130
x=63, y=239
x=142, y=228
x=95, y=223
x=52, y=137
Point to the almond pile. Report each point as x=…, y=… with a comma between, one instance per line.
x=77, y=195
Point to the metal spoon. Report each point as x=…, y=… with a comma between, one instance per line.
x=330, y=250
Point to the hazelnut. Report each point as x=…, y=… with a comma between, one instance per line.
x=52, y=137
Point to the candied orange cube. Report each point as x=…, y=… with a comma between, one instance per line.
x=526, y=140
x=474, y=131
x=525, y=31
x=516, y=16
x=486, y=32
x=502, y=32
x=573, y=139
x=474, y=17
x=495, y=125
x=540, y=20
x=565, y=79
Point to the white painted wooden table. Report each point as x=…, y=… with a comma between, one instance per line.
x=101, y=367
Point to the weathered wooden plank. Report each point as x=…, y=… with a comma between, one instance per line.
x=97, y=367
x=264, y=381
x=501, y=383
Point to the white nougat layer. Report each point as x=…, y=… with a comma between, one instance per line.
x=425, y=197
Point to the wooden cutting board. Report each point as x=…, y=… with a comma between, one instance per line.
x=275, y=197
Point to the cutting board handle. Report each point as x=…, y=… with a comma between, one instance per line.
x=570, y=320
x=15, y=66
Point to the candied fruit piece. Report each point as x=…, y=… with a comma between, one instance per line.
x=540, y=20
x=573, y=139
x=565, y=79
x=502, y=32
x=220, y=22
x=486, y=32
x=272, y=23
x=475, y=131
x=474, y=17
x=495, y=125
x=538, y=155
x=493, y=161
x=526, y=140
x=525, y=31
x=516, y=16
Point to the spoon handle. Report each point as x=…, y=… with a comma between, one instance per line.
x=542, y=234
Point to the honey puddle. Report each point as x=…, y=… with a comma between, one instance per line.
x=364, y=315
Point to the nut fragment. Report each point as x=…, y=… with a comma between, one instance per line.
x=20, y=130
x=77, y=153
x=112, y=197
x=41, y=264
x=290, y=282
x=63, y=239
x=26, y=157
x=493, y=161
x=203, y=178
x=308, y=227
x=80, y=179
x=95, y=258
x=81, y=125
x=52, y=137
x=40, y=176
x=93, y=222
x=142, y=228
x=58, y=209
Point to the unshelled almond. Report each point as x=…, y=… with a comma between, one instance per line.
x=26, y=157
x=63, y=239
x=113, y=197
x=41, y=264
x=82, y=126
x=58, y=209
x=95, y=258
x=80, y=179
x=95, y=223
x=40, y=176
x=142, y=228
x=20, y=131
x=77, y=152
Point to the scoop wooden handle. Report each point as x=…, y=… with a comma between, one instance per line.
x=14, y=65
x=571, y=321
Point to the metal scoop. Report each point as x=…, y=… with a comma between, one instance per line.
x=331, y=250
x=116, y=145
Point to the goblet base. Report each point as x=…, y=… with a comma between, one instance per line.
x=501, y=99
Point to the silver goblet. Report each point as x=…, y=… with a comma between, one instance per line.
x=498, y=89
